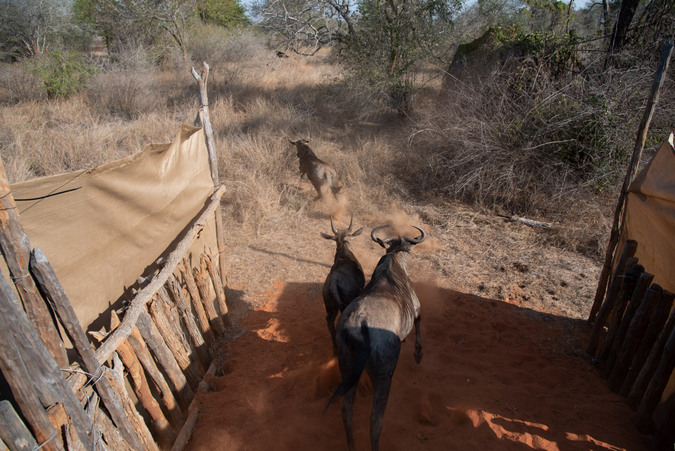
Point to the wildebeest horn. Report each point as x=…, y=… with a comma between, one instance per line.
x=332, y=226
x=417, y=240
x=351, y=221
x=380, y=241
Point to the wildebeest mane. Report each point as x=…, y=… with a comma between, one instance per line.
x=397, y=287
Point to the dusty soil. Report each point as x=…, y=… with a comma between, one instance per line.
x=503, y=331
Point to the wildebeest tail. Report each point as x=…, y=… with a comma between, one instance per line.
x=357, y=368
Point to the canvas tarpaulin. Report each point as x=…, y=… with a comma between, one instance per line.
x=650, y=216
x=118, y=218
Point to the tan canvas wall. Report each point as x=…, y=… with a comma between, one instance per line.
x=119, y=219
x=650, y=216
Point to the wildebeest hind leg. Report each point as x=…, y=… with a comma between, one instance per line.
x=418, y=341
x=381, y=387
x=330, y=320
x=348, y=414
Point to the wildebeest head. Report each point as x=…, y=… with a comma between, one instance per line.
x=303, y=149
x=397, y=243
x=340, y=236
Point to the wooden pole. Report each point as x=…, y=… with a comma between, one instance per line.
x=175, y=344
x=115, y=378
x=16, y=247
x=202, y=80
x=629, y=248
x=14, y=369
x=165, y=358
x=46, y=277
x=617, y=224
x=189, y=321
x=215, y=279
x=143, y=354
x=202, y=280
x=13, y=431
x=658, y=383
x=145, y=295
x=648, y=341
x=197, y=304
x=648, y=369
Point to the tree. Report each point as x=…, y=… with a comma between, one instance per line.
x=227, y=13
x=29, y=27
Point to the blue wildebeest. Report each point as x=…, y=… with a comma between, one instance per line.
x=345, y=279
x=370, y=331
x=322, y=175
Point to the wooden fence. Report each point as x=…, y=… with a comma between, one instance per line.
x=633, y=344
x=161, y=348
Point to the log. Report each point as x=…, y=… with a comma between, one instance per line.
x=658, y=320
x=141, y=387
x=171, y=314
x=165, y=359
x=173, y=341
x=607, y=352
x=13, y=432
x=640, y=386
x=115, y=378
x=636, y=298
x=197, y=304
x=634, y=335
x=16, y=247
x=202, y=80
x=629, y=249
x=657, y=383
x=32, y=373
x=186, y=431
x=221, y=300
x=202, y=281
x=189, y=321
x=54, y=292
x=144, y=296
x=143, y=354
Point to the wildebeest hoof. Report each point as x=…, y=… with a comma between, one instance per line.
x=418, y=356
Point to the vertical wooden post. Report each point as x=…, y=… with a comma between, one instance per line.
x=658, y=382
x=16, y=248
x=189, y=321
x=215, y=278
x=12, y=429
x=205, y=293
x=45, y=275
x=202, y=80
x=617, y=224
x=197, y=305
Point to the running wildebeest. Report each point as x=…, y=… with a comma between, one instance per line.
x=370, y=331
x=345, y=279
x=322, y=175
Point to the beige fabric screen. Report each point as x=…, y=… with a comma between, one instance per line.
x=119, y=218
x=650, y=216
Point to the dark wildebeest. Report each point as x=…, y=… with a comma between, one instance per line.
x=370, y=331
x=345, y=279
x=322, y=175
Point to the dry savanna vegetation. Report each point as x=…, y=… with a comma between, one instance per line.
x=476, y=150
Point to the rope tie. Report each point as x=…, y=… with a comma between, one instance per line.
x=36, y=448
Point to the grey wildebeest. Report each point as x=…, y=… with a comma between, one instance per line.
x=345, y=279
x=370, y=331
x=322, y=175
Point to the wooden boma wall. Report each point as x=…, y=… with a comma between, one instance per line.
x=632, y=342
x=159, y=348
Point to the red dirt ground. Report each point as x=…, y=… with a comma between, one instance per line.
x=495, y=376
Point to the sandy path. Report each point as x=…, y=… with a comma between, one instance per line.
x=494, y=376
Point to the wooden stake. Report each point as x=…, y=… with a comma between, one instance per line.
x=46, y=277
x=658, y=383
x=143, y=354
x=165, y=358
x=175, y=344
x=115, y=378
x=197, y=304
x=217, y=285
x=202, y=80
x=648, y=341
x=196, y=337
x=12, y=429
x=628, y=251
x=16, y=247
x=617, y=224
x=32, y=373
x=202, y=281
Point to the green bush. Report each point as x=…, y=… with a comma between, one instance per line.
x=61, y=73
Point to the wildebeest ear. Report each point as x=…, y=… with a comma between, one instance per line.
x=358, y=232
x=327, y=236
